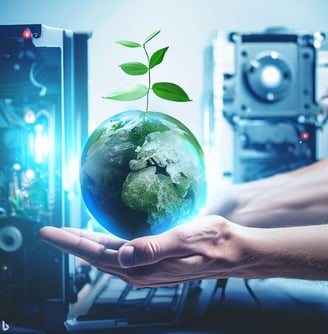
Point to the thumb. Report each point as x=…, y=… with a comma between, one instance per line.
x=148, y=250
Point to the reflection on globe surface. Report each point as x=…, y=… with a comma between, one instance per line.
x=142, y=173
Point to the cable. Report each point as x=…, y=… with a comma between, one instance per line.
x=222, y=284
x=251, y=292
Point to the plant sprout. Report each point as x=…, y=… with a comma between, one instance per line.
x=165, y=90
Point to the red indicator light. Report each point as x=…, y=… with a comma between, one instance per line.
x=27, y=34
x=305, y=135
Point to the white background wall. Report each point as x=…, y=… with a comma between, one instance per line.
x=186, y=26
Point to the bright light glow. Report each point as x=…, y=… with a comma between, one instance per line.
x=29, y=116
x=318, y=39
x=71, y=195
x=274, y=55
x=17, y=166
x=27, y=34
x=270, y=96
x=271, y=76
x=316, y=44
x=72, y=174
x=305, y=135
x=30, y=174
x=41, y=143
x=39, y=127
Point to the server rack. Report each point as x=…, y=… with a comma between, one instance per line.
x=43, y=125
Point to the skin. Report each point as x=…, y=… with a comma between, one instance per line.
x=212, y=246
x=295, y=198
x=216, y=249
x=274, y=227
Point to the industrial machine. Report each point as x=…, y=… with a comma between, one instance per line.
x=266, y=87
x=43, y=124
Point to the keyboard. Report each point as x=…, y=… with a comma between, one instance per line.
x=119, y=300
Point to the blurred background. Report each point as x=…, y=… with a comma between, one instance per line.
x=187, y=27
x=255, y=72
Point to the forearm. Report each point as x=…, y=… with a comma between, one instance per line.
x=295, y=198
x=292, y=252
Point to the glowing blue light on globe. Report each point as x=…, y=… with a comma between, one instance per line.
x=142, y=173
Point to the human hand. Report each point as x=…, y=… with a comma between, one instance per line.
x=204, y=248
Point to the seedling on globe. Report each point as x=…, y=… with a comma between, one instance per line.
x=143, y=172
x=165, y=90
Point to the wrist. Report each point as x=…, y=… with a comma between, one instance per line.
x=256, y=252
x=238, y=250
x=290, y=252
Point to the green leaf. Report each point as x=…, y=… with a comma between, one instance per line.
x=157, y=57
x=129, y=44
x=128, y=93
x=134, y=68
x=151, y=36
x=170, y=91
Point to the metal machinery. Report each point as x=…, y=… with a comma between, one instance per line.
x=266, y=87
x=43, y=124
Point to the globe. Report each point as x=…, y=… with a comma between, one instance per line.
x=142, y=173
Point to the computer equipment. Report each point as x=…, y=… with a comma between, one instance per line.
x=116, y=305
x=121, y=305
x=43, y=123
x=266, y=87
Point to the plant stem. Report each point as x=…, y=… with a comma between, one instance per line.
x=149, y=82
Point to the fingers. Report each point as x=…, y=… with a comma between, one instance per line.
x=165, y=259
x=199, y=236
x=70, y=242
x=81, y=244
x=108, y=240
x=107, y=251
x=50, y=233
x=153, y=249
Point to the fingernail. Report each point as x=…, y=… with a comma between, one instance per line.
x=127, y=256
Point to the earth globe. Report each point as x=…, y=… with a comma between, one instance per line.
x=142, y=173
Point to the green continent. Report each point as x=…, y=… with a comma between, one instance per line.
x=144, y=190
x=162, y=178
